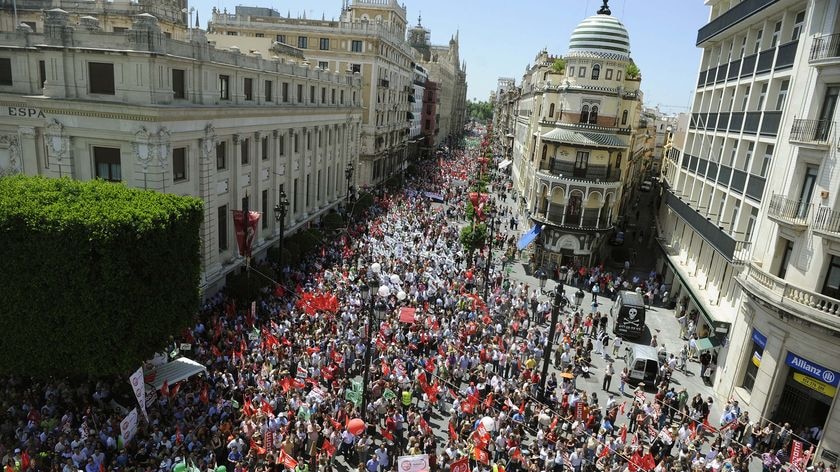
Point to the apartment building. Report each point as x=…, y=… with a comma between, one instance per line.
x=749, y=228
x=180, y=117
x=368, y=39
x=572, y=141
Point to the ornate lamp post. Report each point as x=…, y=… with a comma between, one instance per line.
x=348, y=175
x=376, y=315
x=489, y=261
x=549, y=345
x=281, y=209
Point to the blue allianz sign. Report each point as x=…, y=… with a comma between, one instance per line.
x=813, y=370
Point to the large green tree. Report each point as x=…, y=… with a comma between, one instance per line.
x=96, y=276
x=480, y=111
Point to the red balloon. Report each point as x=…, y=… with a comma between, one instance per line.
x=356, y=426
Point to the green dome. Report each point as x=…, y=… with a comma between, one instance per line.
x=601, y=35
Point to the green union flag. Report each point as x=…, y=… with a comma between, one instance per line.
x=389, y=394
x=357, y=386
x=353, y=396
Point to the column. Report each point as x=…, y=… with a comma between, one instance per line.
x=207, y=193
x=257, y=185
x=28, y=162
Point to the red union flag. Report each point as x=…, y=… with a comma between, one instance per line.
x=245, y=233
x=461, y=465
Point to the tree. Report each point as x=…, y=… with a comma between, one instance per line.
x=480, y=111
x=559, y=65
x=632, y=71
x=96, y=276
x=473, y=237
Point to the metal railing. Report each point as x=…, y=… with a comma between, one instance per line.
x=789, y=210
x=825, y=47
x=811, y=131
x=799, y=300
x=827, y=220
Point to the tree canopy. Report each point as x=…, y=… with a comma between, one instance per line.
x=96, y=275
x=480, y=111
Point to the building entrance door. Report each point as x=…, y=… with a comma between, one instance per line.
x=801, y=406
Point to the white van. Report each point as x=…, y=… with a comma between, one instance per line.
x=642, y=363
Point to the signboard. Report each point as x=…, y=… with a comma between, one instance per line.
x=760, y=339
x=139, y=387
x=815, y=384
x=25, y=112
x=415, y=463
x=128, y=426
x=812, y=369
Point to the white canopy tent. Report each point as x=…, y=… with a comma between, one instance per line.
x=175, y=371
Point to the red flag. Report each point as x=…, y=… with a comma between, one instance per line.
x=215, y=350
x=623, y=434
x=481, y=455
x=259, y=450
x=286, y=460
x=286, y=384
x=174, y=390
x=425, y=426
x=604, y=452
x=621, y=408
x=387, y=434
x=266, y=408
x=204, y=396
x=517, y=454
x=335, y=424
x=328, y=448
x=247, y=409
x=554, y=423
x=709, y=427
x=164, y=389
x=452, y=434
x=635, y=461
x=467, y=407
x=488, y=402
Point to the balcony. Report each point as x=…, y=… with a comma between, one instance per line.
x=810, y=306
x=584, y=220
x=825, y=50
x=827, y=223
x=811, y=132
x=789, y=212
x=731, y=17
x=736, y=252
x=594, y=176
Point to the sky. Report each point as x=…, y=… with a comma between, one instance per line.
x=500, y=38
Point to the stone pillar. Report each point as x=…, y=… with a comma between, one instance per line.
x=256, y=184
x=28, y=163
x=207, y=193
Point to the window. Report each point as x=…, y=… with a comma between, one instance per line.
x=107, y=163
x=596, y=72
x=259, y=35
x=618, y=160
x=303, y=42
x=224, y=87
x=618, y=75
x=295, y=195
x=768, y=156
x=324, y=44
x=746, y=98
x=222, y=214
x=308, y=196
x=311, y=94
x=571, y=71
x=318, y=187
x=761, y=96
x=248, y=89
x=551, y=111
x=244, y=149
x=573, y=210
x=221, y=155
x=268, y=90
x=295, y=142
x=787, y=252
x=300, y=93
x=281, y=145
x=265, y=209
x=593, y=114
x=285, y=92
x=323, y=95
x=5, y=71
x=354, y=68
x=178, y=84
x=748, y=157
x=280, y=38
x=783, y=90
x=584, y=114
x=608, y=75
x=264, y=148
x=743, y=46
x=323, y=65
x=119, y=29
x=624, y=117
x=42, y=72
x=179, y=164
x=581, y=71
x=831, y=285
x=101, y=78
x=232, y=33
x=753, y=363
x=797, y=26
x=309, y=140
x=341, y=97
x=332, y=97
x=356, y=46
x=777, y=30
x=751, y=223
x=581, y=163
x=31, y=24
x=757, y=45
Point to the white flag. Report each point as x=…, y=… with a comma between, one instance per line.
x=139, y=387
x=128, y=426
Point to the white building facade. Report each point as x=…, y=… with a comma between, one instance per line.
x=178, y=117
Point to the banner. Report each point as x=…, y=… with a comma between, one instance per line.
x=796, y=456
x=139, y=387
x=128, y=426
x=416, y=463
x=579, y=411
x=461, y=465
x=245, y=233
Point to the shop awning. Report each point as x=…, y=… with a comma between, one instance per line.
x=585, y=138
x=705, y=344
x=174, y=371
x=529, y=237
x=505, y=163
x=710, y=320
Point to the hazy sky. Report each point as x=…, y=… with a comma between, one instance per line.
x=500, y=38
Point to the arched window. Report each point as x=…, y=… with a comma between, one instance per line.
x=593, y=115
x=618, y=160
x=584, y=114
x=624, y=117
x=596, y=72
x=551, y=111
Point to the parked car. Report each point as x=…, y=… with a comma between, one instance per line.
x=646, y=186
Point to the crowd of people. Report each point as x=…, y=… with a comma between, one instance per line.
x=451, y=375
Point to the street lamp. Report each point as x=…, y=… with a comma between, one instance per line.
x=489, y=261
x=543, y=278
x=552, y=328
x=348, y=174
x=281, y=209
x=376, y=315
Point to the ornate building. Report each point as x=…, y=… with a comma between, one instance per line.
x=572, y=140
x=181, y=117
